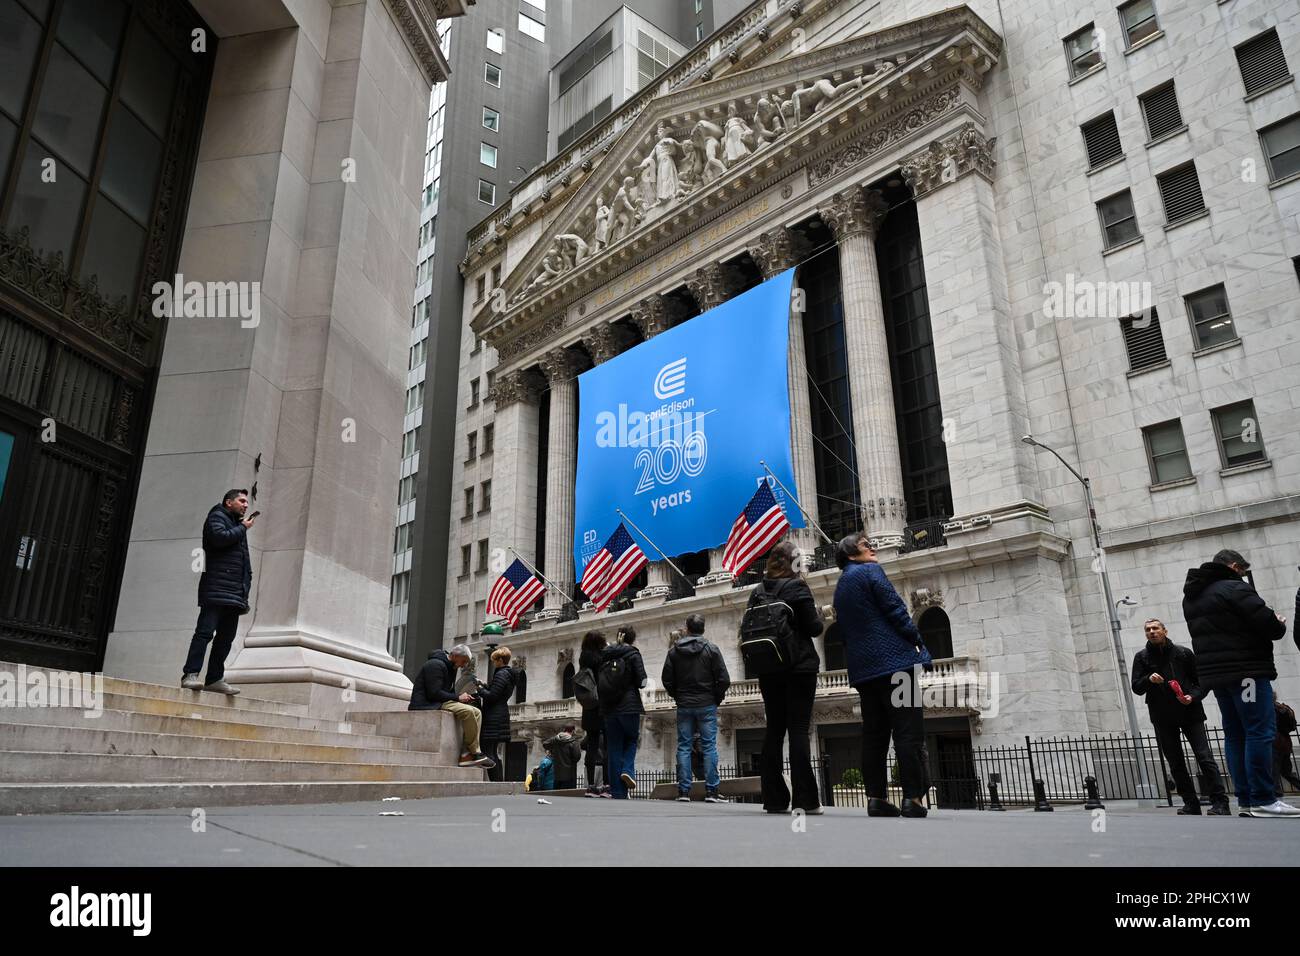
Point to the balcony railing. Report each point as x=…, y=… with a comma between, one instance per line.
x=920, y=535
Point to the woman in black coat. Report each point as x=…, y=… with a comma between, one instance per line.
x=495, y=698
x=593, y=727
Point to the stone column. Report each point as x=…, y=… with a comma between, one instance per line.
x=514, y=471
x=561, y=367
x=854, y=216
x=774, y=252
x=658, y=584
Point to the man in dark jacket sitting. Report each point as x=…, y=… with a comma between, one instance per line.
x=566, y=754
x=695, y=676
x=1157, y=668
x=1233, y=631
x=432, y=689
x=223, y=591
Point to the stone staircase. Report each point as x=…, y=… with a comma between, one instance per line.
x=155, y=746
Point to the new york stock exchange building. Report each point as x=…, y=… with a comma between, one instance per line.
x=935, y=177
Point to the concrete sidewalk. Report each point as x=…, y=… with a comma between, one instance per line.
x=638, y=832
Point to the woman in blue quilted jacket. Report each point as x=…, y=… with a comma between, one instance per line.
x=885, y=652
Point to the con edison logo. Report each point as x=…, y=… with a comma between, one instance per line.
x=671, y=379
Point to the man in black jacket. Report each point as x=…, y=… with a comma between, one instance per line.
x=223, y=591
x=1157, y=669
x=695, y=676
x=433, y=689
x=619, y=681
x=1233, y=631
x=566, y=754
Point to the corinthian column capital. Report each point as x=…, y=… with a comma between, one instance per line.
x=708, y=286
x=513, y=387
x=650, y=315
x=560, y=365
x=946, y=160
x=853, y=212
x=773, y=251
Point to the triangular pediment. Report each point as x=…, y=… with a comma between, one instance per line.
x=687, y=149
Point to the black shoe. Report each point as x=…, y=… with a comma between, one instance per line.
x=1220, y=810
x=912, y=809
x=881, y=808
x=1190, y=810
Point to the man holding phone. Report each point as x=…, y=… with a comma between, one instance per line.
x=223, y=590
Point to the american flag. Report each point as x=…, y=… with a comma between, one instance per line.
x=513, y=592
x=756, y=530
x=610, y=568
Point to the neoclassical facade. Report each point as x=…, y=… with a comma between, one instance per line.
x=926, y=174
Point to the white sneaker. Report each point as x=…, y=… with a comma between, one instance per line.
x=683, y=799
x=1278, y=808
x=192, y=682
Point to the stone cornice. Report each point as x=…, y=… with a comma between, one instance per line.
x=561, y=173
x=418, y=22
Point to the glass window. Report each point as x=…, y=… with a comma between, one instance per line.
x=20, y=44
x=1139, y=19
x=1237, y=429
x=1282, y=148
x=471, y=446
x=491, y=74
x=1211, y=318
x=1118, y=220
x=480, y=288
x=496, y=40
x=114, y=247
x=482, y=555
x=149, y=79
x=530, y=27
x=699, y=6
x=485, y=496
x=469, y=502
x=51, y=210
x=473, y=392
x=70, y=111
x=132, y=165
x=488, y=435
x=92, y=29
x=487, y=155
x=487, y=192
x=1083, y=50
x=1167, y=452
x=491, y=119
x=8, y=137
x=464, y=558
x=699, y=32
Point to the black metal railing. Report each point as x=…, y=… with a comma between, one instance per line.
x=920, y=535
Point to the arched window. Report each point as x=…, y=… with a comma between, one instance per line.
x=567, y=692
x=521, y=686
x=936, y=632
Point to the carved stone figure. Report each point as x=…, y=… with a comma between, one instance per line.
x=690, y=169
x=736, y=135
x=662, y=163
x=768, y=121
x=708, y=138
x=570, y=248
x=813, y=99
x=624, y=210
x=601, y=237
x=552, y=267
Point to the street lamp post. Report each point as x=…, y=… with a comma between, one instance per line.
x=1146, y=795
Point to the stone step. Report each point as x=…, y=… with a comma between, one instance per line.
x=107, y=797
x=43, y=738
x=18, y=766
x=176, y=708
x=200, y=727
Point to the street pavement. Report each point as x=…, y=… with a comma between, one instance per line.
x=517, y=830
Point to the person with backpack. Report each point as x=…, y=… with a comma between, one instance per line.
x=883, y=648
x=543, y=775
x=695, y=677
x=495, y=699
x=565, y=754
x=619, y=682
x=776, y=642
x=593, y=725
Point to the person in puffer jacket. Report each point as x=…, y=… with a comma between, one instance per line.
x=1232, y=632
x=695, y=677
x=884, y=651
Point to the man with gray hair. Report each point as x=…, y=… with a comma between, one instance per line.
x=434, y=689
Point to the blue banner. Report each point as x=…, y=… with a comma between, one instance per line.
x=672, y=431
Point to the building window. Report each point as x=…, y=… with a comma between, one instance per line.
x=469, y=503
x=478, y=344
x=488, y=434
x=492, y=74
x=496, y=275
x=471, y=447
x=473, y=392
x=480, y=288
x=1180, y=191
x=487, y=192
x=1262, y=63
x=1211, y=318
x=482, y=555
x=1139, y=20
x=414, y=397
x=1237, y=429
x=530, y=27
x=491, y=377
x=1281, y=143
x=1161, y=112
x=1101, y=138
x=1083, y=50
x=699, y=6
x=699, y=32
x=1143, y=341
x=464, y=560
x=485, y=497
x=1118, y=220
x=491, y=119
x=1166, y=452
x=496, y=40
x=487, y=154
x=936, y=632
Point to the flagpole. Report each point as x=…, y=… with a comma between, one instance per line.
x=653, y=545
x=801, y=508
x=567, y=599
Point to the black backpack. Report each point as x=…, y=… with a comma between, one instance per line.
x=767, y=638
x=613, y=680
x=586, y=689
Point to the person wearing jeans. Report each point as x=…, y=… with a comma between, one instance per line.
x=695, y=676
x=622, y=734
x=1233, y=631
x=619, y=681
x=223, y=591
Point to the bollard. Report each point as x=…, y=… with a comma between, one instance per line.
x=1094, y=798
x=994, y=802
x=1040, y=798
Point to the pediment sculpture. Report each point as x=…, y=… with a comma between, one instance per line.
x=681, y=161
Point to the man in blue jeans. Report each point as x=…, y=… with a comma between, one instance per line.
x=618, y=685
x=695, y=676
x=1233, y=631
